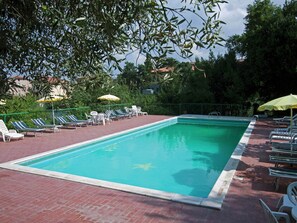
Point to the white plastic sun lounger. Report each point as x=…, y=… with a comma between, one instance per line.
x=9, y=134
x=283, y=159
x=287, y=136
x=278, y=173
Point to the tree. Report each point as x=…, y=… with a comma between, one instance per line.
x=86, y=90
x=269, y=46
x=68, y=38
x=130, y=77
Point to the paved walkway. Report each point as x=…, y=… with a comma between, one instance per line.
x=31, y=198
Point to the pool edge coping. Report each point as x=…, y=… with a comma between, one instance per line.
x=214, y=200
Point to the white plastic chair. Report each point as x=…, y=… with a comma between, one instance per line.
x=273, y=216
x=292, y=192
x=289, y=200
x=134, y=110
x=9, y=134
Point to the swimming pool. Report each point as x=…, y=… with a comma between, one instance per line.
x=179, y=159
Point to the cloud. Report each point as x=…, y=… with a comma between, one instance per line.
x=233, y=14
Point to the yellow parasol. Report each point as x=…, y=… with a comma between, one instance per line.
x=51, y=99
x=281, y=104
x=108, y=97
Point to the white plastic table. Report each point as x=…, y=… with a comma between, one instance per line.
x=96, y=118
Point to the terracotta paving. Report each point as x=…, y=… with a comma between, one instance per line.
x=32, y=198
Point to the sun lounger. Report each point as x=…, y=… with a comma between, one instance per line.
x=278, y=173
x=287, y=136
x=62, y=121
x=117, y=115
x=284, y=131
x=283, y=160
x=284, y=148
x=23, y=127
x=73, y=118
x=285, y=120
x=40, y=123
x=9, y=134
x=287, y=129
x=284, y=145
x=122, y=114
x=114, y=116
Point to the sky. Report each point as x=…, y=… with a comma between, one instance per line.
x=233, y=14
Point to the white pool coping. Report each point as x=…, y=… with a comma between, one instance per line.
x=214, y=200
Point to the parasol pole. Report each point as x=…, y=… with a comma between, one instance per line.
x=291, y=128
x=291, y=122
x=53, y=113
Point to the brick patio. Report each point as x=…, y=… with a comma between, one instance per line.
x=32, y=198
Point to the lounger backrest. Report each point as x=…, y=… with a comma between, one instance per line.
x=59, y=119
x=3, y=127
x=37, y=122
x=17, y=125
x=71, y=117
x=23, y=124
x=63, y=119
x=74, y=118
x=41, y=121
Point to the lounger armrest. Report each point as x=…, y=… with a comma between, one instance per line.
x=280, y=215
x=12, y=131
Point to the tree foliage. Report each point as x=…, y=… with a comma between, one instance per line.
x=68, y=38
x=269, y=48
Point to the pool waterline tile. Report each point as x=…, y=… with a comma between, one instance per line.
x=214, y=200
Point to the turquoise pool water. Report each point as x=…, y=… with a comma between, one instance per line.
x=184, y=157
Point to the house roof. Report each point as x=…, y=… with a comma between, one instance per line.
x=163, y=70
